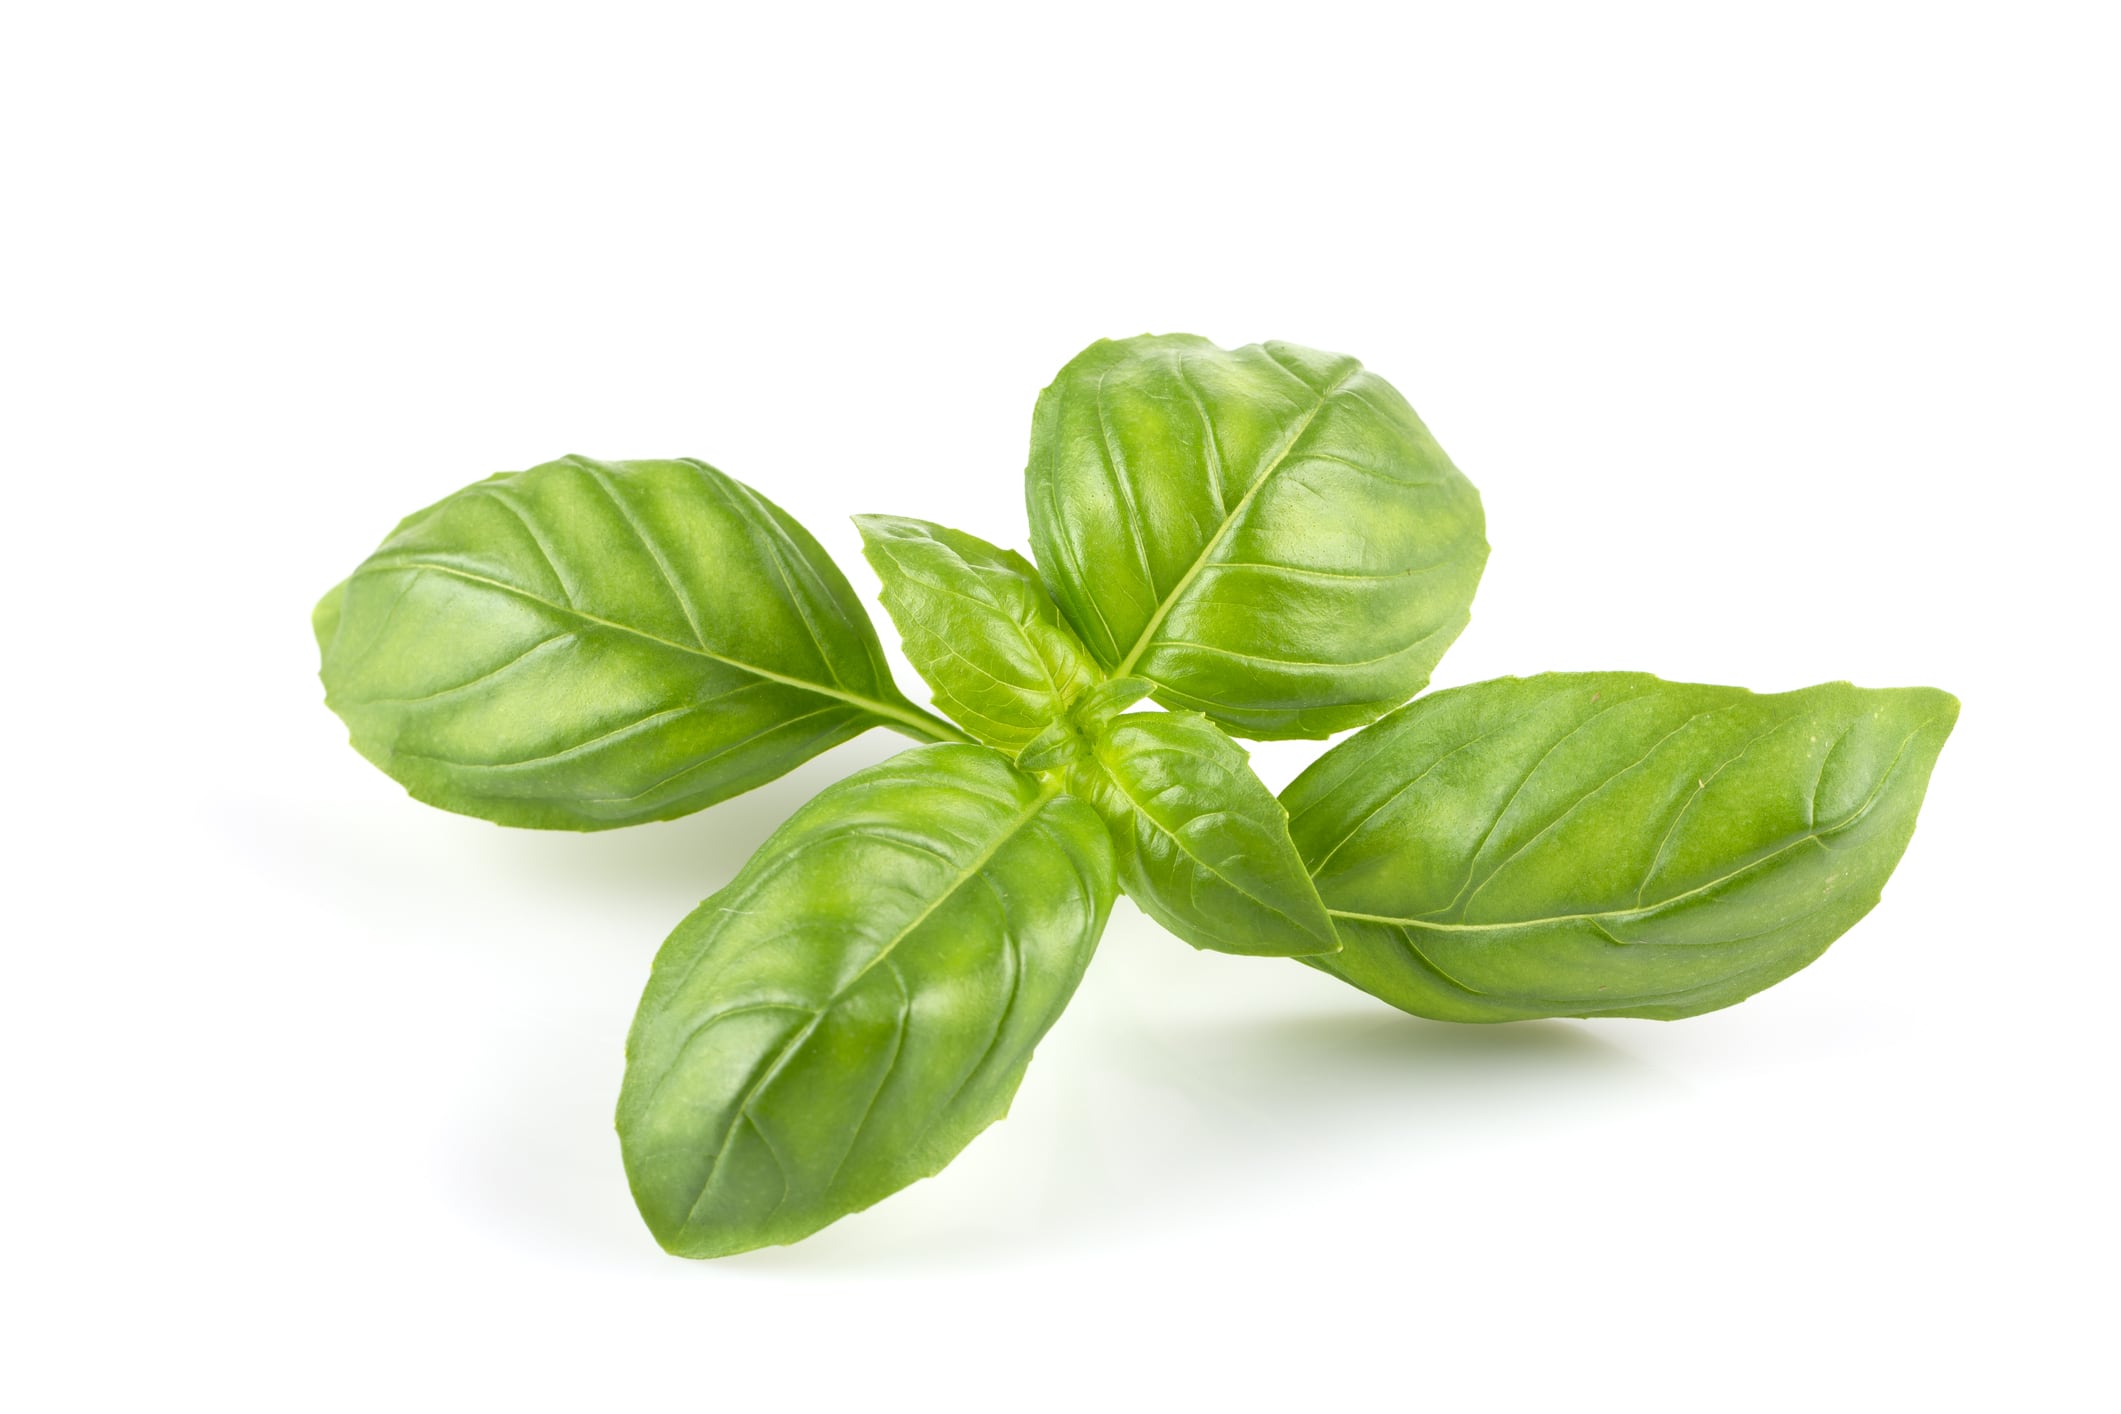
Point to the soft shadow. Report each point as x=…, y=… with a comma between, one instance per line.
x=373, y=855
x=1193, y=1122
x=1244, y=1108
x=685, y=859
x=1178, y=1088
x=1379, y=1041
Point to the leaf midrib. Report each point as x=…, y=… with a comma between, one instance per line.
x=1047, y=793
x=1236, y=513
x=874, y=705
x=1233, y=883
x=1643, y=910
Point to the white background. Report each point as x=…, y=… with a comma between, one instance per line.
x=1781, y=345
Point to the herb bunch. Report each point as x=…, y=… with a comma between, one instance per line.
x=1264, y=543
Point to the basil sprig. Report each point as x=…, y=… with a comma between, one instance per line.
x=1267, y=542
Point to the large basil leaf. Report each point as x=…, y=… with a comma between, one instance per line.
x=588, y=644
x=1203, y=846
x=860, y=1001
x=1608, y=844
x=1269, y=533
x=980, y=627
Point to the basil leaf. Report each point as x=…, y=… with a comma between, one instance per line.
x=1203, y=846
x=1609, y=844
x=979, y=627
x=1108, y=699
x=860, y=1001
x=589, y=644
x=1269, y=533
x=1053, y=748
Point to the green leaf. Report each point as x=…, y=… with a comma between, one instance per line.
x=1203, y=846
x=1053, y=748
x=1609, y=844
x=589, y=644
x=1268, y=533
x=1108, y=699
x=979, y=627
x=860, y=1001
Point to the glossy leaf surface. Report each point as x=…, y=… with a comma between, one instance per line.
x=588, y=644
x=860, y=1001
x=1203, y=845
x=1268, y=533
x=1609, y=844
x=979, y=627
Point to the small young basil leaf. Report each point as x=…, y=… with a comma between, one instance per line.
x=979, y=626
x=1268, y=533
x=1609, y=844
x=1065, y=740
x=1203, y=845
x=860, y=1001
x=1107, y=700
x=1052, y=748
x=589, y=644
